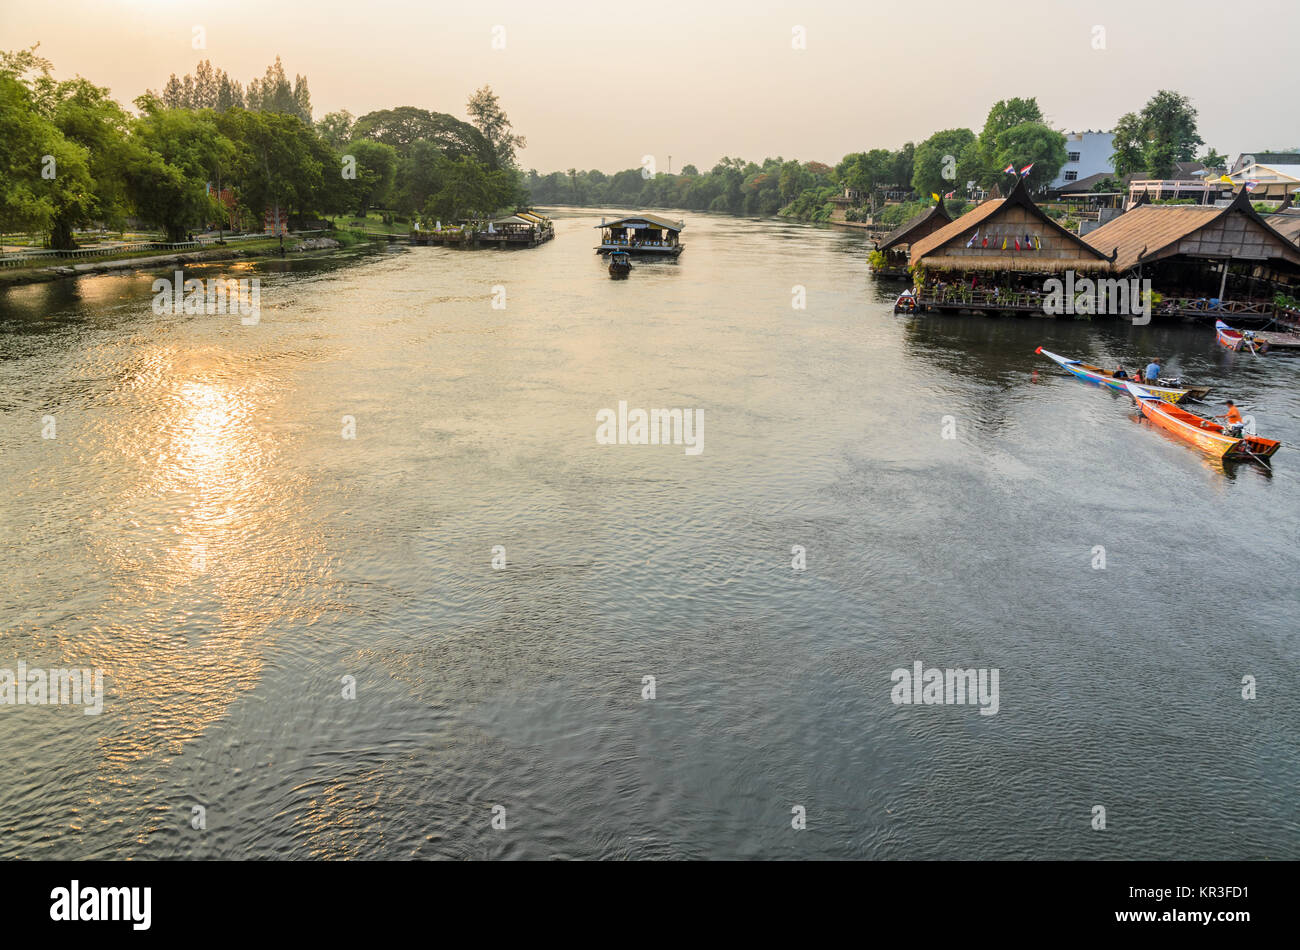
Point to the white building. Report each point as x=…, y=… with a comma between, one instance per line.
x=1087, y=153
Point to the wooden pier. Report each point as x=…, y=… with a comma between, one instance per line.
x=522, y=229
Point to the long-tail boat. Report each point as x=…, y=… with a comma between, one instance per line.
x=1099, y=377
x=620, y=264
x=1221, y=441
x=1237, y=340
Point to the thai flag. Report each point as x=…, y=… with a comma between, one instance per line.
x=1010, y=169
x=1025, y=171
x=974, y=238
x=1252, y=185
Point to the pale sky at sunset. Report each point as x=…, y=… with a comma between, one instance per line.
x=600, y=84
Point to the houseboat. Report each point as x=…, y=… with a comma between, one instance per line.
x=644, y=235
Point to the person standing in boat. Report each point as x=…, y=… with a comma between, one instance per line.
x=1153, y=370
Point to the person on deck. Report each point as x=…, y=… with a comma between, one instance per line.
x=1232, y=418
x=1153, y=370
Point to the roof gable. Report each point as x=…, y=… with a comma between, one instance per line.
x=986, y=215
x=1153, y=232
x=927, y=222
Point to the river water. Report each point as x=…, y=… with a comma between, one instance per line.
x=199, y=529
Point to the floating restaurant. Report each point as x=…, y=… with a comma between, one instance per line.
x=521, y=229
x=642, y=234
x=998, y=256
x=897, y=245
x=1204, y=259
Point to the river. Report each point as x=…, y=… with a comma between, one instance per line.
x=183, y=511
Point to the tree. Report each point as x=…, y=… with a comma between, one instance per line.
x=1162, y=134
x=1032, y=143
x=983, y=166
x=402, y=126
x=470, y=190
x=487, y=116
x=281, y=165
x=87, y=116
x=274, y=93
x=1213, y=159
x=934, y=168
x=177, y=152
x=420, y=175
x=336, y=128
x=1130, y=146
x=376, y=166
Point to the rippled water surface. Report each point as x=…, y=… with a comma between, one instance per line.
x=201, y=531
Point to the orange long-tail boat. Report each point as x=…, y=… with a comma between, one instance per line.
x=1205, y=434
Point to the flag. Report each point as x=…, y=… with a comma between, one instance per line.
x=1025, y=171
x=1004, y=244
x=950, y=194
x=1010, y=169
x=974, y=238
x=1017, y=244
x=986, y=241
x=1038, y=243
x=1251, y=185
x=1226, y=180
x=934, y=195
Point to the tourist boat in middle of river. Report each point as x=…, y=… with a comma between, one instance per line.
x=1098, y=376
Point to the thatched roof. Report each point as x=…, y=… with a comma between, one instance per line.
x=1152, y=232
x=931, y=248
x=1287, y=225
x=927, y=222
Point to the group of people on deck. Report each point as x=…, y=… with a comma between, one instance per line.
x=1151, y=374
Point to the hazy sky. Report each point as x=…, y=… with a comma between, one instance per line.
x=600, y=84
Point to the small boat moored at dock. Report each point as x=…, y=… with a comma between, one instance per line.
x=906, y=303
x=1237, y=340
x=620, y=264
x=1164, y=389
x=1221, y=441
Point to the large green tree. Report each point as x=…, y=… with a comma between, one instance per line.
x=1032, y=143
x=373, y=174
x=178, y=152
x=1152, y=141
x=489, y=118
x=934, y=168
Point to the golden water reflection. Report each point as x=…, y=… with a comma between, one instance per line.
x=205, y=540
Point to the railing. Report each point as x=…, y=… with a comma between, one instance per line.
x=981, y=299
x=1257, y=308
x=20, y=258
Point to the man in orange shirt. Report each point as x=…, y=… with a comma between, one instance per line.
x=1231, y=418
